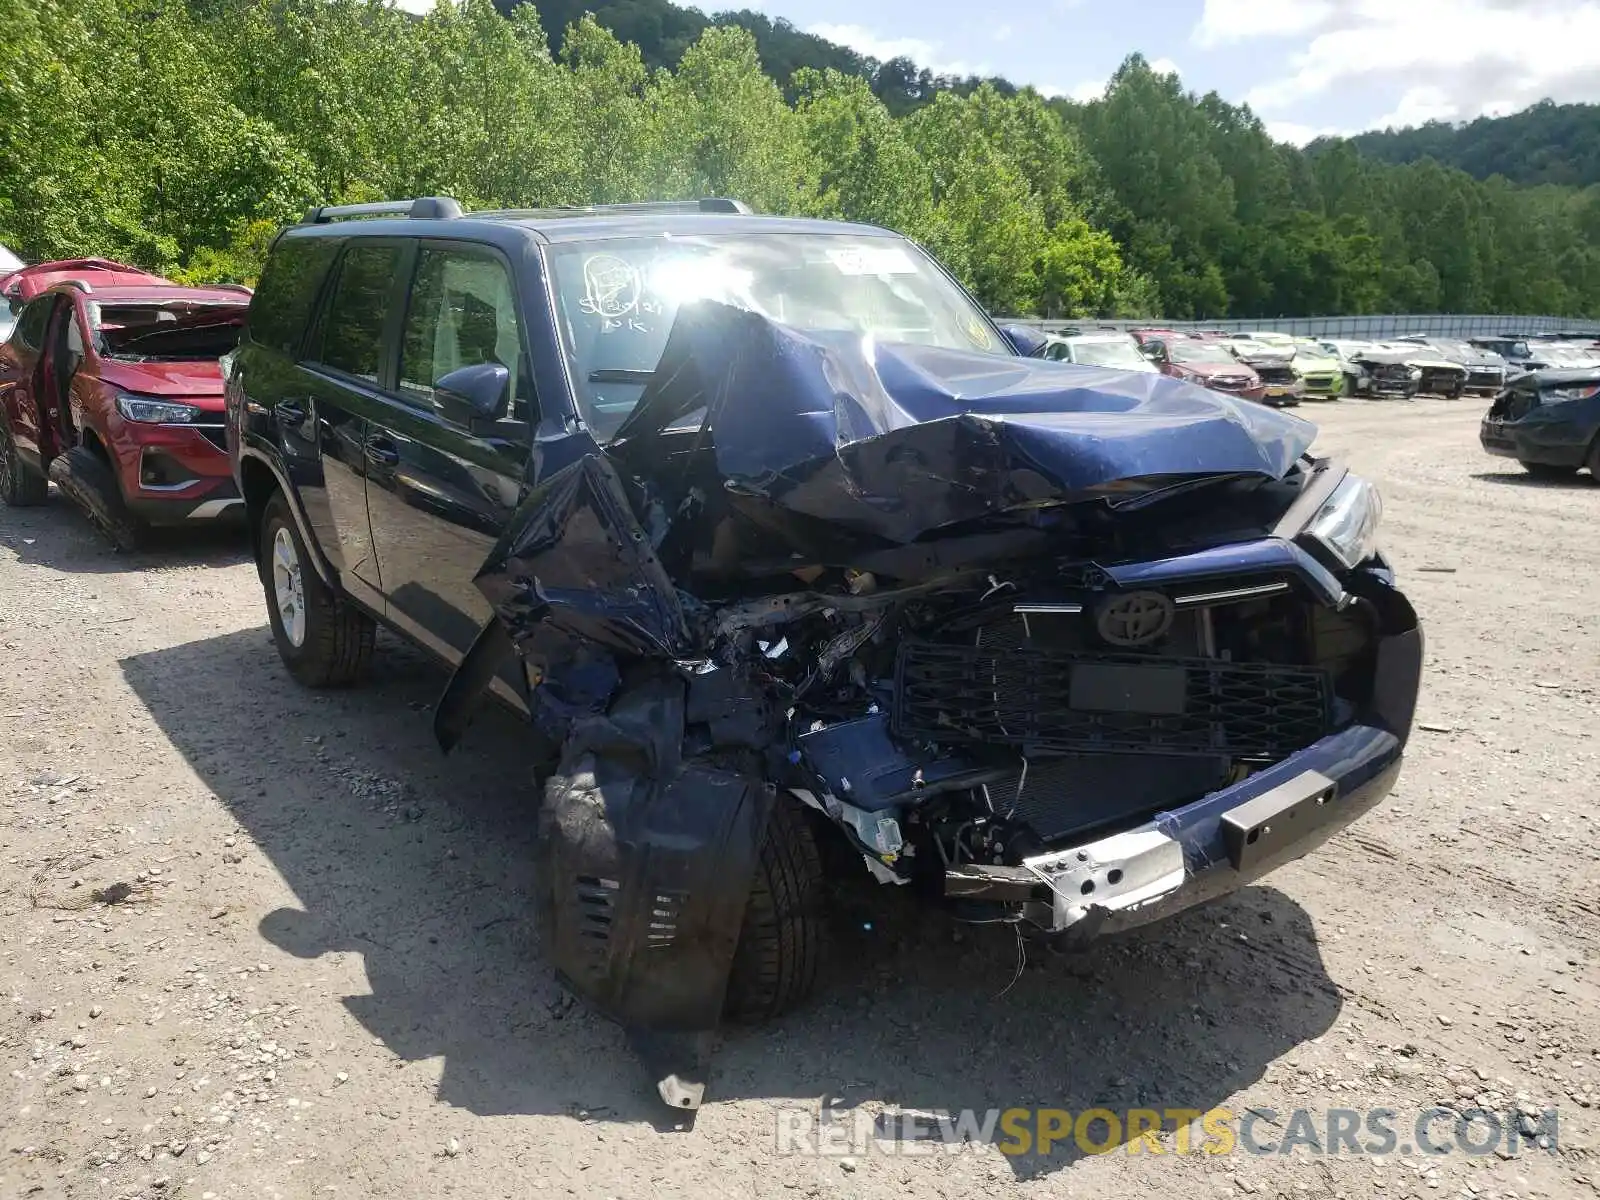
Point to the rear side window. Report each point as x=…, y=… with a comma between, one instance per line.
x=352, y=328
x=282, y=304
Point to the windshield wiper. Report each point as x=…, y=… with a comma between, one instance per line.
x=620, y=375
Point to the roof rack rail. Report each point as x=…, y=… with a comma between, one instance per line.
x=706, y=204
x=441, y=208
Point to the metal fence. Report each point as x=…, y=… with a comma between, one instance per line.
x=1369, y=328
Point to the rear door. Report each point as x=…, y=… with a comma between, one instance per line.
x=440, y=494
x=349, y=364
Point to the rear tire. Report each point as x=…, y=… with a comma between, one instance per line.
x=1547, y=471
x=20, y=485
x=324, y=640
x=782, y=942
x=91, y=484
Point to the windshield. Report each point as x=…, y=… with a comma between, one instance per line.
x=1199, y=352
x=616, y=301
x=1117, y=353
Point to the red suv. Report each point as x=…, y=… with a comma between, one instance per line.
x=115, y=392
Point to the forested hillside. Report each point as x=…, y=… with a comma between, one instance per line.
x=180, y=135
x=663, y=31
x=1548, y=143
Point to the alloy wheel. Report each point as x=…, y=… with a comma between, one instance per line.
x=288, y=585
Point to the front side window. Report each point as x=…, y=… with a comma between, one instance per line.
x=616, y=301
x=462, y=313
x=352, y=328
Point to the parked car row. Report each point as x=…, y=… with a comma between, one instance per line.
x=782, y=545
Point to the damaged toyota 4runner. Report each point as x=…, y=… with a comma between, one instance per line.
x=776, y=538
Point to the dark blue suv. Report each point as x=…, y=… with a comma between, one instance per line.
x=792, y=556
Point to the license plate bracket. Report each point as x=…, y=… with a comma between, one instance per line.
x=1259, y=829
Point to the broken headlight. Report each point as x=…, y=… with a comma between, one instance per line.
x=155, y=412
x=1347, y=524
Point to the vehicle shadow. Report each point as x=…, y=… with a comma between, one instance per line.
x=58, y=535
x=1523, y=479
x=422, y=865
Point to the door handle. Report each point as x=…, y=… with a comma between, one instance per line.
x=290, y=413
x=381, y=452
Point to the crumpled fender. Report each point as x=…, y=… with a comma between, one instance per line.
x=646, y=864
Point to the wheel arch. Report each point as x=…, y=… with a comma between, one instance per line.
x=259, y=480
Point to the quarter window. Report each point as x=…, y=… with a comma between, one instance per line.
x=352, y=336
x=463, y=313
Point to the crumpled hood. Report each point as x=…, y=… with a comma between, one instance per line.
x=193, y=381
x=898, y=440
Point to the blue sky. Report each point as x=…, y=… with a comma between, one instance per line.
x=1305, y=66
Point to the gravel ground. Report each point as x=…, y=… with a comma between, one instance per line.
x=259, y=942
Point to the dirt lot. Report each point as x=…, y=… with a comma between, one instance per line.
x=258, y=942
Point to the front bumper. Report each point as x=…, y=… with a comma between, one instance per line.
x=175, y=474
x=1232, y=836
x=1322, y=387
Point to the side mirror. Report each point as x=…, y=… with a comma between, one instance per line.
x=1025, y=340
x=469, y=395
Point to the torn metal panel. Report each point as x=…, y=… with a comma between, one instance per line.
x=899, y=440
x=576, y=556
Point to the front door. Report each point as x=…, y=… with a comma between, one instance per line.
x=440, y=494
x=22, y=371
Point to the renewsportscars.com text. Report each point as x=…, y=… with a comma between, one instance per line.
x=1216, y=1131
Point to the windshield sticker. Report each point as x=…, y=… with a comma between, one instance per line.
x=611, y=287
x=872, y=260
x=978, y=332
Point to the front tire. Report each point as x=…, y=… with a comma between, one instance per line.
x=90, y=483
x=782, y=941
x=20, y=485
x=324, y=640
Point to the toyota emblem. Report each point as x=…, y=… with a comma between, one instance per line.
x=1135, y=619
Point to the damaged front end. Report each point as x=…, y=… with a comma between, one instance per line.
x=1055, y=646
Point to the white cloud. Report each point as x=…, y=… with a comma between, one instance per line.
x=1418, y=106
x=1297, y=134
x=1456, y=58
x=1224, y=21
x=1093, y=89
x=421, y=7
x=1002, y=33
x=921, y=51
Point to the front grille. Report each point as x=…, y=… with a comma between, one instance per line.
x=1230, y=383
x=1275, y=374
x=1485, y=379
x=1323, y=383
x=1073, y=702
x=1438, y=382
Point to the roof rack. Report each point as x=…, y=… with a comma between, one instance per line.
x=440, y=208
x=706, y=204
